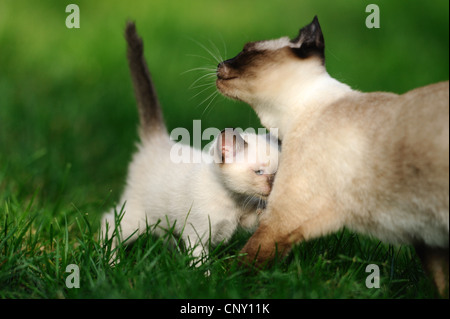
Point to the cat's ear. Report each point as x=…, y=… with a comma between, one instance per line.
x=229, y=144
x=309, y=41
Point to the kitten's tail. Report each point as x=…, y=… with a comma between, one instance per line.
x=150, y=114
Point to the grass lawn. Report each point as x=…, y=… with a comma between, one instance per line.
x=68, y=128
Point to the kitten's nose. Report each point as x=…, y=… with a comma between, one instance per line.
x=270, y=179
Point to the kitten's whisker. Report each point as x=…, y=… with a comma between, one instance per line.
x=248, y=200
x=245, y=202
x=260, y=203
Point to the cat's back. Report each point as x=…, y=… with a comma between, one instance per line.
x=403, y=157
x=389, y=155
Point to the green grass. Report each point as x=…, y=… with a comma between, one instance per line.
x=68, y=127
x=35, y=253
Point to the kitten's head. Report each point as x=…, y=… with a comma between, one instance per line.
x=247, y=162
x=263, y=69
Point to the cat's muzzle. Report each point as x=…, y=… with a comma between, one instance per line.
x=224, y=72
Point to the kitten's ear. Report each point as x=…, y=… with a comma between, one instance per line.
x=273, y=140
x=229, y=144
x=309, y=41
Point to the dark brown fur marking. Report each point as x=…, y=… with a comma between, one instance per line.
x=151, y=118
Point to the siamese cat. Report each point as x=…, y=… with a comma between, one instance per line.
x=376, y=163
x=205, y=202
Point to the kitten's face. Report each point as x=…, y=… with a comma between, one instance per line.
x=265, y=69
x=249, y=164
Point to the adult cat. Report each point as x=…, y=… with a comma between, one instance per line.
x=377, y=163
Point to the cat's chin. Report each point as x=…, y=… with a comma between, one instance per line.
x=223, y=87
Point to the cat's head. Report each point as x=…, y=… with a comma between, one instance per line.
x=247, y=162
x=264, y=70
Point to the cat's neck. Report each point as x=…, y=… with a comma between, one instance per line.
x=302, y=100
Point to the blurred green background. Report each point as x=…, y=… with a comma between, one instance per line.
x=67, y=111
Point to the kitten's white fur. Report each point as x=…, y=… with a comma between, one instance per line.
x=203, y=203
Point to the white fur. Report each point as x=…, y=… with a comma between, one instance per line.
x=273, y=44
x=192, y=198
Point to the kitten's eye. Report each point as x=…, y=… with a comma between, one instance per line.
x=259, y=172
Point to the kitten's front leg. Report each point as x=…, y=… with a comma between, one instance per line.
x=196, y=247
x=199, y=254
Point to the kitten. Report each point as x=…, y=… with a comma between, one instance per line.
x=202, y=202
x=377, y=163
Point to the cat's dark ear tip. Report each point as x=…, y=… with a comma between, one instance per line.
x=315, y=22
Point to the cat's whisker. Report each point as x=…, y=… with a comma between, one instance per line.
x=212, y=106
x=212, y=84
x=217, y=50
x=200, y=56
x=209, y=69
x=201, y=91
x=224, y=45
x=217, y=59
x=209, y=96
x=211, y=75
x=214, y=96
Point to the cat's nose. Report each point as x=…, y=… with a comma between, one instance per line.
x=221, y=71
x=225, y=71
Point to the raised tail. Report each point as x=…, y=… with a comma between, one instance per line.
x=150, y=114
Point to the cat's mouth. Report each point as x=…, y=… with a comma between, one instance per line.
x=226, y=79
x=224, y=73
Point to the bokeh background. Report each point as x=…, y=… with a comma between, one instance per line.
x=67, y=111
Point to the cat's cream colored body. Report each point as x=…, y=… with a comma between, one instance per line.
x=377, y=163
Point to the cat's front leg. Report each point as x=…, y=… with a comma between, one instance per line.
x=278, y=232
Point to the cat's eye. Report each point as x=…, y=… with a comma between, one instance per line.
x=259, y=172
